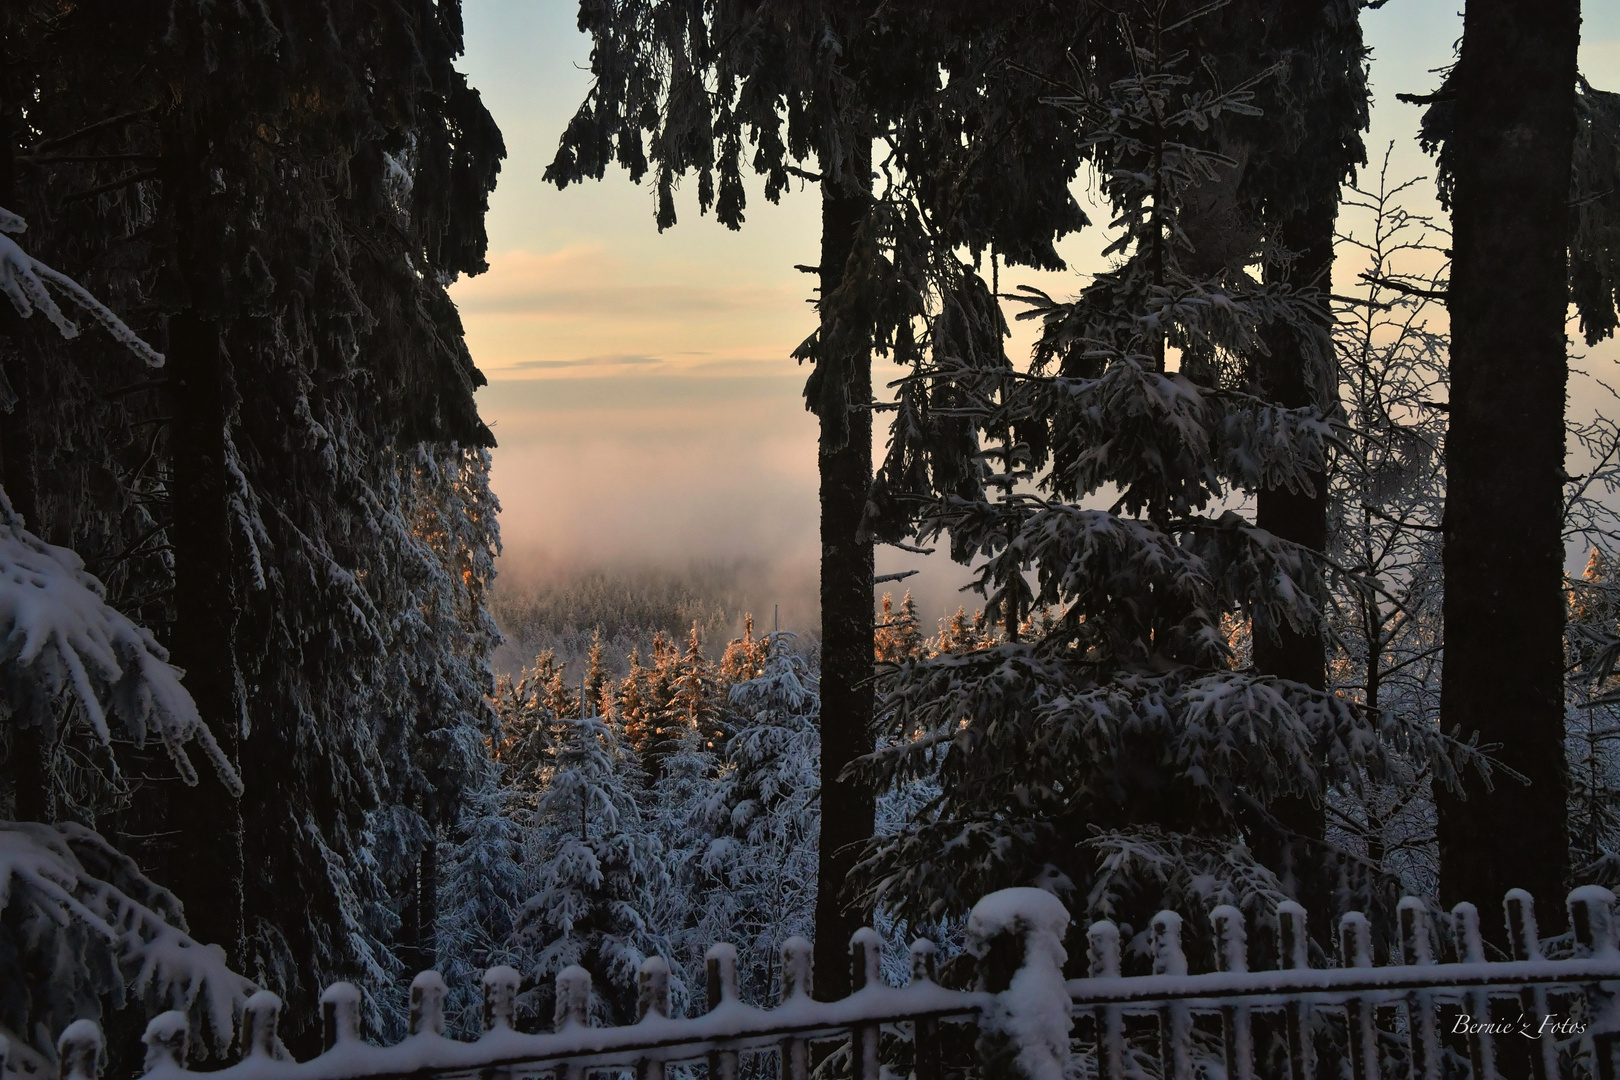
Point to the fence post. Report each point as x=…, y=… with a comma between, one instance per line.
x=1175, y=1020
x=1422, y=1039
x=796, y=980
x=1525, y=939
x=166, y=1037
x=79, y=1053
x=925, y=1054
x=260, y=1018
x=573, y=1008
x=1293, y=953
x=340, y=1014
x=652, y=1001
x=1102, y=962
x=5, y=1051
x=1591, y=919
x=1355, y=951
x=500, y=998
x=865, y=958
x=1232, y=954
x=1017, y=936
x=573, y=997
x=720, y=967
x=427, y=1003
x=1471, y=950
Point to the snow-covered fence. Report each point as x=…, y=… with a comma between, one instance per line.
x=1024, y=1009
x=1488, y=1002
x=573, y=1049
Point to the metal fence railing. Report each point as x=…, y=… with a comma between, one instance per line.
x=1370, y=1021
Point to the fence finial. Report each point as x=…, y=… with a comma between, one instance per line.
x=1293, y=946
x=1523, y=937
x=1017, y=935
x=797, y=972
x=1465, y=933
x=720, y=974
x=1591, y=918
x=1168, y=958
x=573, y=997
x=924, y=961
x=340, y=1014
x=260, y=1017
x=1414, y=919
x=1231, y=938
x=500, y=997
x=79, y=1053
x=652, y=989
x=1102, y=950
x=166, y=1037
x=865, y=959
x=427, y=1003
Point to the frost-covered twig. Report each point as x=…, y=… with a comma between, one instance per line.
x=23, y=279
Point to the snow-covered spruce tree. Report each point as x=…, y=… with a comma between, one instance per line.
x=758, y=861
x=480, y=888
x=645, y=705
x=314, y=178
x=898, y=636
x=1118, y=758
x=588, y=859
x=80, y=926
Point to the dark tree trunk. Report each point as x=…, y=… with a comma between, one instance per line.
x=206, y=868
x=1300, y=517
x=427, y=902
x=1502, y=679
x=846, y=602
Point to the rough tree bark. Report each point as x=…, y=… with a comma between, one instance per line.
x=205, y=865
x=845, y=464
x=1513, y=133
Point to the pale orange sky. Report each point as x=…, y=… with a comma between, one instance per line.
x=640, y=384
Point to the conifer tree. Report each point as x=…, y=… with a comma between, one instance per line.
x=898, y=638
x=480, y=890
x=1511, y=144
x=695, y=701
x=299, y=572
x=1126, y=716
x=588, y=859
x=744, y=657
x=761, y=816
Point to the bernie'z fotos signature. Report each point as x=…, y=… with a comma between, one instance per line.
x=1524, y=1025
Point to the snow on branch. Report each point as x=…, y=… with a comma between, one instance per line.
x=23, y=279
x=109, y=928
x=59, y=635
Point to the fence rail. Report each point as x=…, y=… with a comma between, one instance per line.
x=1013, y=1008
